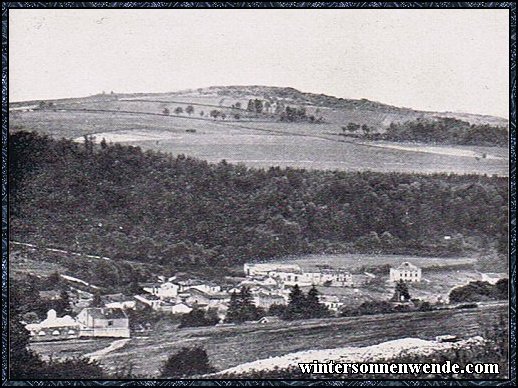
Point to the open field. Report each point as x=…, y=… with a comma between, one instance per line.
x=233, y=345
x=71, y=348
x=255, y=140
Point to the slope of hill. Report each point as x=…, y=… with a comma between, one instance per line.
x=214, y=124
x=221, y=95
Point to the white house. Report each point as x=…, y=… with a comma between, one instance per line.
x=265, y=300
x=103, y=322
x=150, y=300
x=162, y=290
x=331, y=302
x=207, y=287
x=53, y=328
x=118, y=301
x=406, y=272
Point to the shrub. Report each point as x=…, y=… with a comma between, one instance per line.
x=188, y=362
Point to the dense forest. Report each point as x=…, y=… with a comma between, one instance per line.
x=121, y=202
x=447, y=130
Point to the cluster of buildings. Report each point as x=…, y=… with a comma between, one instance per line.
x=180, y=296
x=90, y=322
x=269, y=284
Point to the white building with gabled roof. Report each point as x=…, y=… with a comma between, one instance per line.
x=406, y=272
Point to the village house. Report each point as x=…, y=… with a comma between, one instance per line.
x=269, y=319
x=265, y=301
x=162, y=290
x=406, y=272
x=207, y=287
x=203, y=299
x=103, y=322
x=53, y=328
x=148, y=300
x=49, y=295
x=326, y=277
x=289, y=279
x=329, y=278
x=82, y=298
x=118, y=301
x=332, y=302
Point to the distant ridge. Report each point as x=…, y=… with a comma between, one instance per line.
x=359, y=110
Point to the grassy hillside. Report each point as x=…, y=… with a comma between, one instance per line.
x=258, y=139
x=231, y=346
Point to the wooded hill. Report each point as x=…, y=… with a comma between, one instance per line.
x=124, y=203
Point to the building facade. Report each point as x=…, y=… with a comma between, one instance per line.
x=53, y=328
x=103, y=322
x=406, y=272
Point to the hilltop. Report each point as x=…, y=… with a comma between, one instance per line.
x=372, y=112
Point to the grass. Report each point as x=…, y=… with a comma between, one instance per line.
x=70, y=348
x=231, y=346
x=256, y=144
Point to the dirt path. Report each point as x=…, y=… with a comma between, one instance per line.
x=117, y=344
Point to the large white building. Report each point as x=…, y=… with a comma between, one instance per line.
x=330, y=278
x=256, y=269
x=327, y=277
x=54, y=328
x=406, y=272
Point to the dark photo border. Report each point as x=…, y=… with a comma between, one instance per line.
x=6, y=6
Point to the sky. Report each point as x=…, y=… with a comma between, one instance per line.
x=437, y=60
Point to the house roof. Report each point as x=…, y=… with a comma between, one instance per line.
x=191, y=282
x=106, y=313
x=115, y=298
x=407, y=265
x=148, y=297
x=269, y=318
x=221, y=295
x=67, y=320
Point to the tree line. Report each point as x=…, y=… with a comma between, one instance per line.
x=447, y=130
